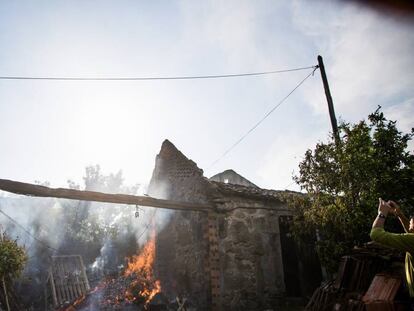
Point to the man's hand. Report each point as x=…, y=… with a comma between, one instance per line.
x=394, y=208
x=383, y=207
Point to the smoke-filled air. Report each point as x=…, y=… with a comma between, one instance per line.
x=206, y=155
x=111, y=239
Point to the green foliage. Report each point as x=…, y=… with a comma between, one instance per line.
x=344, y=183
x=88, y=225
x=12, y=257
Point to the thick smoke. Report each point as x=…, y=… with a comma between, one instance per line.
x=103, y=234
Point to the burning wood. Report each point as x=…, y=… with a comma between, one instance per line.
x=141, y=266
x=76, y=304
x=134, y=289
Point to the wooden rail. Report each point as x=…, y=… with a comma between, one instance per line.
x=73, y=194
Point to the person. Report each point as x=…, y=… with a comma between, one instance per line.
x=402, y=241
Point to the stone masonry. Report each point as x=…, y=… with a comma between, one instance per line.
x=230, y=258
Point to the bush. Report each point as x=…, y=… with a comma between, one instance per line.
x=344, y=181
x=12, y=257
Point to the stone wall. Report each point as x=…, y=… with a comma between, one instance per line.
x=182, y=249
x=250, y=264
x=181, y=258
x=176, y=177
x=250, y=256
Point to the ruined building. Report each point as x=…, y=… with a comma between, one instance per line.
x=240, y=255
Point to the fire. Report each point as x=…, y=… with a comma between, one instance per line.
x=140, y=267
x=137, y=285
x=75, y=304
x=143, y=262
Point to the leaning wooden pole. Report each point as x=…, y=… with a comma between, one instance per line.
x=73, y=194
x=329, y=99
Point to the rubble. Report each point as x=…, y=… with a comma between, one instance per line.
x=370, y=278
x=115, y=293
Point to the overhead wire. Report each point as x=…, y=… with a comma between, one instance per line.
x=187, y=78
x=150, y=222
x=62, y=78
x=290, y=184
x=263, y=118
x=28, y=232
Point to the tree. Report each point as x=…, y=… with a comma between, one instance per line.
x=344, y=181
x=73, y=227
x=12, y=261
x=12, y=257
x=87, y=226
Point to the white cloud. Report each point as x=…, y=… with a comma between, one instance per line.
x=404, y=114
x=368, y=55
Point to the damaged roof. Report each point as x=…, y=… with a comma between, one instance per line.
x=252, y=192
x=182, y=179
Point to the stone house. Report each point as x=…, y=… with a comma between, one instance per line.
x=239, y=256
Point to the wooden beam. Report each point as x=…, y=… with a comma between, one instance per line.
x=72, y=194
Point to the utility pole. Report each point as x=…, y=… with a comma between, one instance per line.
x=329, y=99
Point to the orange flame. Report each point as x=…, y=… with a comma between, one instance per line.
x=141, y=266
x=75, y=304
x=143, y=262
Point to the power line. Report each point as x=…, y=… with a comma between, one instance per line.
x=264, y=118
x=150, y=222
x=28, y=232
x=154, y=78
x=293, y=182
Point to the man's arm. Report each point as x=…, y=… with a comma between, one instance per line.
x=383, y=209
x=403, y=242
x=395, y=209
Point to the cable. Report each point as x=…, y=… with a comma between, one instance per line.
x=147, y=225
x=262, y=119
x=154, y=78
x=286, y=187
x=26, y=231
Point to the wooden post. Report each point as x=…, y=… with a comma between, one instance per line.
x=85, y=277
x=79, y=285
x=59, y=281
x=52, y=284
x=45, y=292
x=329, y=99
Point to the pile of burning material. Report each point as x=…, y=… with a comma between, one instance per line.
x=357, y=281
x=140, y=269
x=126, y=293
x=136, y=288
x=133, y=290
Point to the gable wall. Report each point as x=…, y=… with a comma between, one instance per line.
x=250, y=263
x=182, y=249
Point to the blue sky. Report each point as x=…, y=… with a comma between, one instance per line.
x=51, y=130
